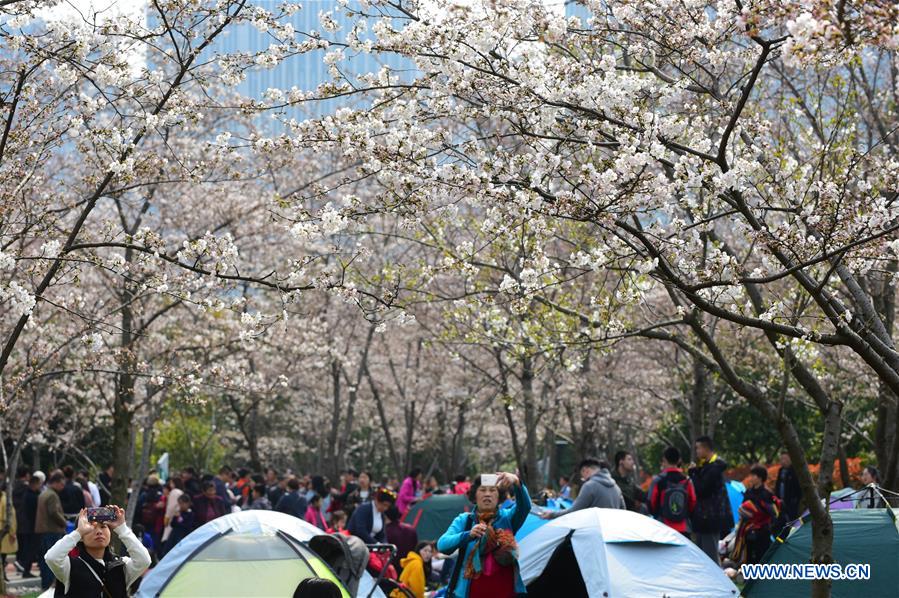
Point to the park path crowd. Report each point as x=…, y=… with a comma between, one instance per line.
x=692, y=500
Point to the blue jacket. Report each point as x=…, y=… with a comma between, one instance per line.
x=362, y=521
x=458, y=536
x=292, y=503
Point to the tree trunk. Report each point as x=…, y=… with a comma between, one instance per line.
x=697, y=403
x=531, y=475
x=385, y=425
x=822, y=525
x=516, y=447
x=122, y=422
x=844, y=467
x=886, y=445
x=409, y=414
x=353, y=395
x=253, y=439
x=143, y=467
x=456, y=462
x=830, y=447
x=333, y=466
x=885, y=434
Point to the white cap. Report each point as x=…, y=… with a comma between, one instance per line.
x=40, y=475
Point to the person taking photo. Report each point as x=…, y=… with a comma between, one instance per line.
x=487, y=566
x=93, y=570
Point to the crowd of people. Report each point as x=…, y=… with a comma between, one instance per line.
x=50, y=527
x=47, y=508
x=694, y=501
x=691, y=499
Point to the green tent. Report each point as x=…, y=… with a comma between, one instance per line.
x=861, y=536
x=236, y=564
x=432, y=516
x=250, y=553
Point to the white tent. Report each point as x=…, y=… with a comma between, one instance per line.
x=611, y=553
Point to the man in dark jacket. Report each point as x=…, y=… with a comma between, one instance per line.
x=712, y=514
x=367, y=522
x=191, y=482
x=24, y=496
x=222, y=482
x=293, y=502
x=787, y=487
x=274, y=489
x=598, y=490
x=623, y=474
x=72, y=496
x=105, y=484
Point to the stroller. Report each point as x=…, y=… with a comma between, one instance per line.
x=380, y=565
x=349, y=558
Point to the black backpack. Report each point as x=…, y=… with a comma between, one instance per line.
x=674, y=500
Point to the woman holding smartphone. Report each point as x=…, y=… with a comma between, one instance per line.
x=93, y=569
x=487, y=563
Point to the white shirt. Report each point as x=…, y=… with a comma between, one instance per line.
x=95, y=492
x=377, y=523
x=171, y=511
x=57, y=557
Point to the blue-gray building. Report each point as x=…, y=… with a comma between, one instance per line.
x=306, y=71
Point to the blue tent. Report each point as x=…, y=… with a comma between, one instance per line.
x=532, y=523
x=735, y=492
x=534, y=520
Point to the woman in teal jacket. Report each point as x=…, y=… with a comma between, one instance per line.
x=487, y=564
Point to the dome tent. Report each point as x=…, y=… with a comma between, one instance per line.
x=612, y=553
x=432, y=516
x=868, y=536
x=250, y=553
x=735, y=492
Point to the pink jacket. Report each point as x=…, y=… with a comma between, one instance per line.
x=406, y=495
x=314, y=516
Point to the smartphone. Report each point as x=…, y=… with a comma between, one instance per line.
x=101, y=514
x=489, y=479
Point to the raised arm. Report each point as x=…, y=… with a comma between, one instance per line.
x=522, y=505
x=584, y=500
x=138, y=558
x=57, y=558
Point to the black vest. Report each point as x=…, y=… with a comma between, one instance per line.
x=84, y=584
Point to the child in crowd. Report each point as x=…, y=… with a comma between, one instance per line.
x=183, y=523
x=758, y=512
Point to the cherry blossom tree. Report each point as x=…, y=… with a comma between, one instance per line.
x=713, y=153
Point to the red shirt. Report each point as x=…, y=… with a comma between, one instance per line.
x=495, y=581
x=462, y=488
x=655, y=501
